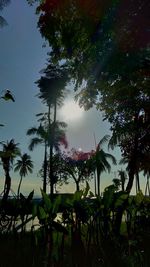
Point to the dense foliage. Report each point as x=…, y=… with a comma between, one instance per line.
x=109, y=62
x=87, y=232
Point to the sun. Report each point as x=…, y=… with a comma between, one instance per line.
x=71, y=111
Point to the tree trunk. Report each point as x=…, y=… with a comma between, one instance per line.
x=147, y=188
x=98, y=183
x=51, y=151
x=130, y=182
x=45, y=169
x=19, y=186
x=7, y=186
x=138, y=181
x=51, y=172
x=132, y=166
x=122, y=179
x=77, y=185
x=95, y=183
x=122, y=186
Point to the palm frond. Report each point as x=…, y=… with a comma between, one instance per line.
x=114, y=140
x=24, y=165
x=111, y=157
x=17, y=167
x=34, y=142
x=61, y=124
x=104, y=140
x=32, y=131
x=123, y=161
x=3, y=22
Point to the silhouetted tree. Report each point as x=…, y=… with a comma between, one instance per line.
x=100, y=161
x=122, y=178
x=9, y=152
x=74, y=165
x=43, y=136
x=23, y=165
x=52, y=90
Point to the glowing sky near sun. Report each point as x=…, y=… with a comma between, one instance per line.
x=71, y=111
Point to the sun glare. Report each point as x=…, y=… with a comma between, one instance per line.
x=71, y=111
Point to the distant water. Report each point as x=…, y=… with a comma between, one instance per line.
x=34, y=224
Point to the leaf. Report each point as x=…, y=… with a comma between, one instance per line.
x=22, y=197
x=121, y=198
x=56, y=204
x=108, y=196
x=24, y=223
x=30, y=196
x=41, y=214
x=139, y=198
x=58, y=227
x=86, y=190
x=34, y=210
x=91, y=194
x=47, y=201
x=77, y=195
x=69, y=202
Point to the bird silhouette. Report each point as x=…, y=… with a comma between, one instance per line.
x=8, y=96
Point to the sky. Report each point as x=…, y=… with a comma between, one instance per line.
x=22, y=56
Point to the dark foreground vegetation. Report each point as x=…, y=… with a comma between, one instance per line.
x=90, y=232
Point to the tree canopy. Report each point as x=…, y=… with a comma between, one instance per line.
x=107, y=58
x=105, y=45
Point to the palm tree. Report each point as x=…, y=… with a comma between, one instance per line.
x=100, y=161
x=141, y=163
x=52, y=91
x=43, y=137
x=128, y=161
x=23, y=165
x=9, y=152
x=133, y=139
